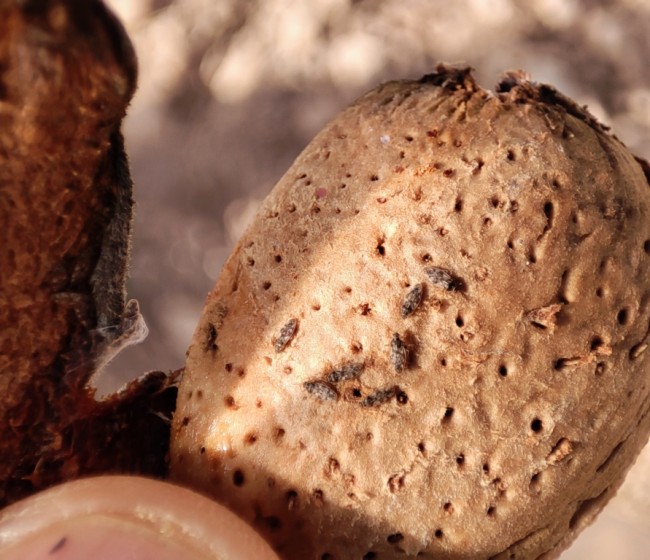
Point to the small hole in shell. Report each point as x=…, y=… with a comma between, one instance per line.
x=395, y=538
x=596, y=343
x=535, y=479
x=238, y=477
x=292, y=499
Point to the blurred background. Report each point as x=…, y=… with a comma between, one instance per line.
x=230, y=91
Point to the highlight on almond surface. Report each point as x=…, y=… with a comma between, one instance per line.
x=481, y=259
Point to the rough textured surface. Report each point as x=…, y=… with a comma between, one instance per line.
x=230, y=92
x=67, y=73
x=497, y=417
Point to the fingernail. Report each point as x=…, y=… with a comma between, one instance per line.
x=113, y=517
x=100, y=538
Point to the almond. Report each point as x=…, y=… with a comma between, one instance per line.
x=498, y=406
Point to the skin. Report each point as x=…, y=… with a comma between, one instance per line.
x=125, y=517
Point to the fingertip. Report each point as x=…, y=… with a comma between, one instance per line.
x=117, y=517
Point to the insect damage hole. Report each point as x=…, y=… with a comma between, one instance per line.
x=622, y=316
x=535, y=480
x=596, y=344
x=536, y=425
x=230, y=402
x=394, y=538
x=238, y=478
x=291, y=498
x=211, y=342
x=380, y=249
x=549, y=212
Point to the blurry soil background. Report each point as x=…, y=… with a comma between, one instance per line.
x=230, y=91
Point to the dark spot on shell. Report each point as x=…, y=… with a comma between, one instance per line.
x=398, y=353
x=321, y=390
x=211, y=342
x=412, y=300
x=395, y=538
x=347, y=371
x=238, y=477
x=444, y=279
x=292, y=499
x=379, y=397
x=287, y=333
